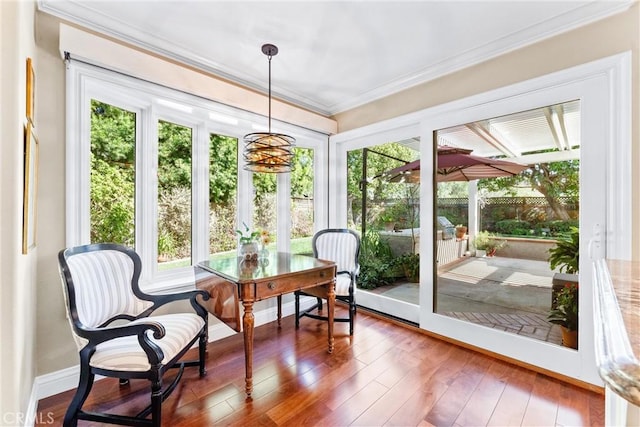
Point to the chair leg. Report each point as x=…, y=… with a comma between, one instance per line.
x=156, y=402
x=202, y=350
x=319, y=301
x=352, y=313
x=84, y=387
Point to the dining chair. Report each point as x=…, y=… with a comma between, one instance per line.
x=341, y=246
x=116, y=335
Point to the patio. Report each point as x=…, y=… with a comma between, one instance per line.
x=509, y=294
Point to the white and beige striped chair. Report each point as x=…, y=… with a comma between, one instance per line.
x=341, y=246
x=100, y=284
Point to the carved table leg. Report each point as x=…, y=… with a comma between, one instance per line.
x=279, y=311
x=331, y=305
x=247, y=324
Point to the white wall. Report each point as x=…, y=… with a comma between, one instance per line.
x=17, y=271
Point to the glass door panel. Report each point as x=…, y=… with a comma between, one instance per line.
x=383, y=205
x=496, y=227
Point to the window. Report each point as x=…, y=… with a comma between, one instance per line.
x=113, y=139
x=157, y=169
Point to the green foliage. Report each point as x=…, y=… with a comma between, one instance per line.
x=552, y=180
x=223, y=170
x=174, y=156
x=112, y=204
x=174, y=223
x=486, y=241
x=566, y=311
x=566, y=253
x=559, y=227
x=513, y=227
x=410, y=264
x=302, y=174
x=112, y=174
x=376, y=261
x=248, y=236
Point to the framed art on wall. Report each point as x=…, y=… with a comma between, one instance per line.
x=31, y=89
x=30, y=188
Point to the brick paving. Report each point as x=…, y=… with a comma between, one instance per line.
x=528, y=324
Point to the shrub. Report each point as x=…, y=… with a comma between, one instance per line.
x=376, y=261
x=513, y=227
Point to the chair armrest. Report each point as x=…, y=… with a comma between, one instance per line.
x=161, y=299
x=99, y=335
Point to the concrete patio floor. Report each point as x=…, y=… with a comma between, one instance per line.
x=509, y=294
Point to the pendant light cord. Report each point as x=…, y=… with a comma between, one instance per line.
x=269, y=56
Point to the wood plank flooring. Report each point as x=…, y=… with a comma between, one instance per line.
x=385, y=374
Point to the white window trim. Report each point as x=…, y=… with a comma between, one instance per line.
x=605, y=82
x=151, y=102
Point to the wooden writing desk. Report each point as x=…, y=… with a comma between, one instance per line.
x=278, y=274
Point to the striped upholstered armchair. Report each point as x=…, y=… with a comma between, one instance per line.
x=341, y=246
x=100, y=284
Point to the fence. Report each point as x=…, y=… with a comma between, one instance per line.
x=534, y=210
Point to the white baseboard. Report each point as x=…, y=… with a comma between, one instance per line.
x=66, y=379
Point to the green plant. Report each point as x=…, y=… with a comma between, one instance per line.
x=566, y=311
x=565, y=254
x=248, y=236
x=376, y=261
x=513, y=227
x=410, y=264
x=486, y=241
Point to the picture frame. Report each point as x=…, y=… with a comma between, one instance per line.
x=31, y=155
x=31, y=92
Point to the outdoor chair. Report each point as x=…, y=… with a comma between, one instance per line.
x=341, y=246
x=100, y=283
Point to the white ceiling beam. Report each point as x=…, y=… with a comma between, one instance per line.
x=556, y=156
x=492, y=139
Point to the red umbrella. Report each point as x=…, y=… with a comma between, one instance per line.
x=457, y=164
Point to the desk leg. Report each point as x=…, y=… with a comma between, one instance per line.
x=331, y=305
x=247, y=324
x=279, y=311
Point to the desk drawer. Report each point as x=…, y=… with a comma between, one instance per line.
x=292, y=283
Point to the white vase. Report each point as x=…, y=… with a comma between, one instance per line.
x=249, y=251
x=481, y=253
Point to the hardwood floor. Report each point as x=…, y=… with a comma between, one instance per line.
x=385, y=374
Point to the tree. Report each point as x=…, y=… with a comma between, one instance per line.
x=553, y=180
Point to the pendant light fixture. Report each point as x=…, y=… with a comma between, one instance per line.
x=268, y=152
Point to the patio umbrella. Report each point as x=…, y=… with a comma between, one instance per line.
x=457, y=164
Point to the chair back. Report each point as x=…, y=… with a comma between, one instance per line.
x=339, y=245
x=100, y=282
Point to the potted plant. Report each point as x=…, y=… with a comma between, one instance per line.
x=486, y=244
x=248, y=242
x=410, y=264
x=565, y=314
x=564, y=256
x=461, y=230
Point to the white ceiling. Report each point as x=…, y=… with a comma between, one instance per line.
x=334, y=55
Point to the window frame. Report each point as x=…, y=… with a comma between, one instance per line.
x=151, y=102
